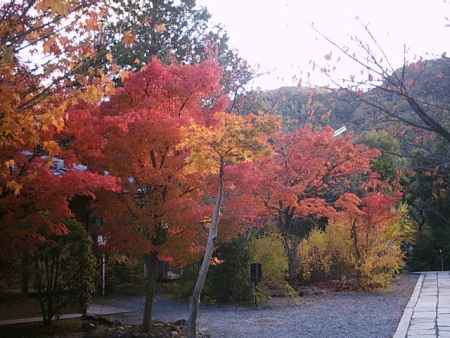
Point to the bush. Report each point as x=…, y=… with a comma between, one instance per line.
x=65, y=271
x=125, y=275
x=327, y=255
x=269, y=251
x=228, y=278
x=330, y=255
x=182, y=288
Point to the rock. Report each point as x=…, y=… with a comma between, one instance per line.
x=88, y=326
x=181, y=322
x=101, y=321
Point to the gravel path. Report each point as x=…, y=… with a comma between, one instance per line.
x=337, y=315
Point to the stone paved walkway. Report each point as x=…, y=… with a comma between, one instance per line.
x=428, y=311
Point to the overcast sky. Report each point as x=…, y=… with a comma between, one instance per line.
x=277, y=34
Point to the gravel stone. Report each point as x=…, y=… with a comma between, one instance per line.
x=331, y=315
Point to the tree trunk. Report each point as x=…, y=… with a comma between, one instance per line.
x=292, y=246
x=356, y=251
x=152, y=267
x=294, y=265
x=212, y=235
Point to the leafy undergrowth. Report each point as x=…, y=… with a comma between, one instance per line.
x=60, y=328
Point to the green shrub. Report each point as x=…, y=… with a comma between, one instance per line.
x=269, y=251
x=228, y=280
x=125, y=275
x=65, y=271
x=229, y=277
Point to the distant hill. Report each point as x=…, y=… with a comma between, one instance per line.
x=428, y=81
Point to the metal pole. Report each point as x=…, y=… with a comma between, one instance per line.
x=254, y=293
x=103, y=275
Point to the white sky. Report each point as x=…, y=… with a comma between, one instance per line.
x=277, y=34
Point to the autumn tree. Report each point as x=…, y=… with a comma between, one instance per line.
x=34, y=227
x=377, y=227
x=228, y=141
x=34, y=97
x=363, y=247
x=300, y=182
x=135, y=135
x=47, y=64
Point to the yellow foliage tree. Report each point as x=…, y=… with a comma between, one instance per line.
x=34, y=99
x=228, y=140
x=331, y=255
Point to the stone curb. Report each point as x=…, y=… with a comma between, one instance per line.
x=36, y=319
x=403, y=325
x=96, y=310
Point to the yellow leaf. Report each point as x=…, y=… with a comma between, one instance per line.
x=128, y=38
x=60, y=7
x=51, y=46
x=92, y=94
x=33, y=36
x=52, y=147
x=9, y=164
x=92, y=22
x=233, y=139
x=14, y=186
x=6, y=56
x=160, y=28
x=124, y=75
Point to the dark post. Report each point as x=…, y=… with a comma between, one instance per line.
x=255, y=277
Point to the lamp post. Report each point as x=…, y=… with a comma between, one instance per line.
x=101, y=241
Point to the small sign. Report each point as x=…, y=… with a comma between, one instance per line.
x=101, y=240
x=340, y=131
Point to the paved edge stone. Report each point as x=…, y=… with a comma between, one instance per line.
x=95, y=310
x=36, y=319
x=405, y=320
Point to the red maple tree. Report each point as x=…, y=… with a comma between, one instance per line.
x=134, y=135
x=300, y=183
